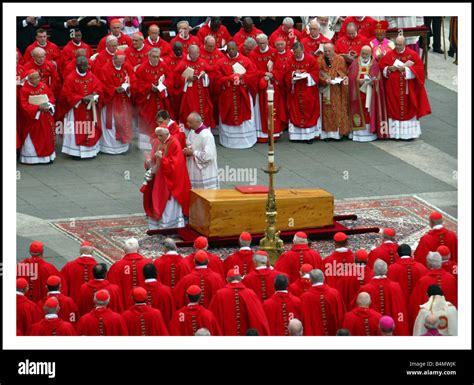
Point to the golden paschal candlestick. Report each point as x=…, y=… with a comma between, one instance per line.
x=271, y=243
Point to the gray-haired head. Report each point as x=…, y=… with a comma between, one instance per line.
x=250, y=43
x=295, y=327
x=316, y=276
x=193, y=49
x=261, y=37
x=154, y=50
x=195, y=117
x=288, y=21
x=169, y=244
x=202, y=332
x=161, y=131
x=431, y=322
x=111, y=38
x=131, y=245
x=363, y=299
x=380, y=267
x=37, y=51
x=434, y=260
x=259, y=259
x=86, y=250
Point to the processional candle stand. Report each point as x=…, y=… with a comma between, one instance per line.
x=271, y=243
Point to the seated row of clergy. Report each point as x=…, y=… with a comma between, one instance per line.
x=403, y=291
x=233, y=310
x=293, y=77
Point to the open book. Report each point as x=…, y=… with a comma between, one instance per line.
x=37, y=100
x=399, y=63
x=239, y=69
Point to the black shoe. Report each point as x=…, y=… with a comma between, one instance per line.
x=309, y=141
x=450, y=54
x=438, y=50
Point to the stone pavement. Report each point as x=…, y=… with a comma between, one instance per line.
x=108, y=185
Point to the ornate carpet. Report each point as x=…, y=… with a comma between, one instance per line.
x=407, y=215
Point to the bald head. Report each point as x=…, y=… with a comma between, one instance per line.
x=431, y=322
x=295, y=327
x=400, y=43
x=363, y=299
x=366, y=52
x=351, y=30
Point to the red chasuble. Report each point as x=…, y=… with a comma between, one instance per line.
x=197, y=97
x=37, y=284
x=434, y=239
x=27, y=313
x=41, y=130
x=68, y=54
x=350, y=285
x=48, y=73
x=451, y=268
x=300, y=286
x=128, y=273
x=20, y=75
x=222, y=35
x=175, y=93
x=191, y=40
x=151, y=102
x=100, y=61
x=237, y=309
x=386, y=251
x=206, y=279
x=53, y=52
x=122, y=40
x=189, y=319
x=388, y=299
x=75, y=87
x=241, y=35
x=323, y=311
x=290, y=261
x=448, y=284
x=67, y=307
x=290, y=37
x=234, y=99
x=215, y=263
x=362, y=322
x=406, y=99
x=280, y=309
x=163, y=45
x=101, y=321
x=344, y=44
x=171, y=179
x=135, y=56
x=280, y=97
x=119, y=105
x=303, y=101
x=159, y=297
x=52, y=327
x=211, y=58
x=262, y=282
x=241, y=258
x=71, y=67
x=76, y=273
x=406, y=272
x=86, y=296
x=261, y=59
x=175, y=131
x=311, y=44
x=143, y=320
x=365, y=27
x=171, y=268
x=334, y=265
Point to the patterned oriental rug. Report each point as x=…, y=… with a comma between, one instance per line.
x=407, y=215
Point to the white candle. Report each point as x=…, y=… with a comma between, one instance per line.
x=270, y=95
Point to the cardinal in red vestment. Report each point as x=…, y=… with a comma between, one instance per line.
x=192, y=317
x=362, y=320
x=406, y=271
x=52, y=324
x=286, y=31
x=314, y=41
x=436, y=275
x=159, y=296
x=48, y=70
x=215, y=29
x=27, y=312
x=115, y=30
x=303, y=283
x=208, y=281
x=291, y=261
x=262, y=279
x=350, y=284
x=237, y=308
x=53, y=53
x=282, y=307
x=101, y=321
x=171, y=266
x=37, y=135
x=138, y=52
x=248, y=30
x=142, y=319
x=242, y=258
x=337, y=263
x=279, y=85
x=68, y=310
x=174, y=94
x=350, y=44
x=387, y=251
x=154, y=40
x=447, y=264
x=163, y=119
x=68, y=53
x=365, y=25
x=98, y=282
x=387, y=298
x=323, y=308
x=184, y=37
x=20, y=80
x=128, y=272
x=79, y=271
x=36, y=271
x=437, y=236
x=104, y=57
x=215, y=263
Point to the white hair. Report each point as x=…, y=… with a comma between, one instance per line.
x=161, y=130
x=434, y=260
x=380, y=267
x=154, y=50
x=261, y=259
x=209, y=37
x=86, y=249
x=295, y=327
x=250, y=42
x=110, y=39
x=261, y=36
x=37, y=50
x=139, y=35
x=181, y=23
x=202, y=332
x=169, y=244
x=316, y=276
x=131, y=245
x=314, y=23
x=288, y=21
x=299, y=241
x=363, y=299
x=243, y=243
